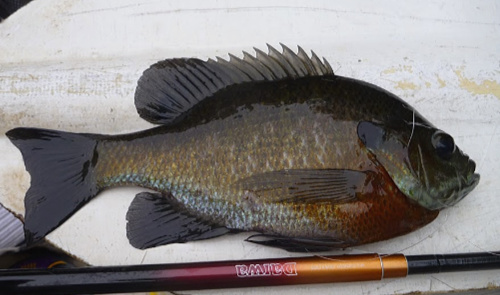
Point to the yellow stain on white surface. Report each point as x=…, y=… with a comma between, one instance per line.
x=400, y=68
x=406, y=85
x=403, y=71
x=485, y=87
x=442, y=83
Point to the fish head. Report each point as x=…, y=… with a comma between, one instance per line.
x=424, y=162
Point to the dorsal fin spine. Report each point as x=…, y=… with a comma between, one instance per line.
x=328, y=67
x=246, y=68
x=317, y=64
x=282, y=61
x=257, y=64
x=279, y=72
x=294, y=60
x=302, y=55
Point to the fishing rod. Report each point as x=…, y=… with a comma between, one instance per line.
x=237, y=274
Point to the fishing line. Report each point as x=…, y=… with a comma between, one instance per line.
x=482, y=249
x=453, y=289
x=437, y=227
x=486, y=149
x=354, y=251
x=412, y=130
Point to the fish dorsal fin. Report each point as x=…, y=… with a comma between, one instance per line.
x=172, y=86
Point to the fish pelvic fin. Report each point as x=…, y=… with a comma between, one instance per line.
x=154, y=219
x=61, y=166
x=172, y=86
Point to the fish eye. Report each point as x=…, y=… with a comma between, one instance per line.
x=444, y=144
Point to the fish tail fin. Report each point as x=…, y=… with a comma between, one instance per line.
x=61, y=166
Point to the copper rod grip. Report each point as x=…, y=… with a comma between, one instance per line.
x=351, y=268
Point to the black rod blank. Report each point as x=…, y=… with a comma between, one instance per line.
x=436, y=263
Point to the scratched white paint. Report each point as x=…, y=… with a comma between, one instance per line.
x=73, y=65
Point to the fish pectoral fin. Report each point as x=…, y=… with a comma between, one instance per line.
x=171, y=87
x=154, y=219
x=307, y=185
x=296, y=244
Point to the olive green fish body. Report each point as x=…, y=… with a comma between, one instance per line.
x=204, y=165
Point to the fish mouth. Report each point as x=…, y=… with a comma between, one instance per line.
x=474, y=177
x=466, y=183
x=473, y=182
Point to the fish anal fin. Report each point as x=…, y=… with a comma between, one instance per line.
x=308, y=185
x=154, y=219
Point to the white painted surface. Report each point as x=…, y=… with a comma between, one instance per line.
x=73, y=65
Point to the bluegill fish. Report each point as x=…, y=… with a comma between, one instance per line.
x=274, y=143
